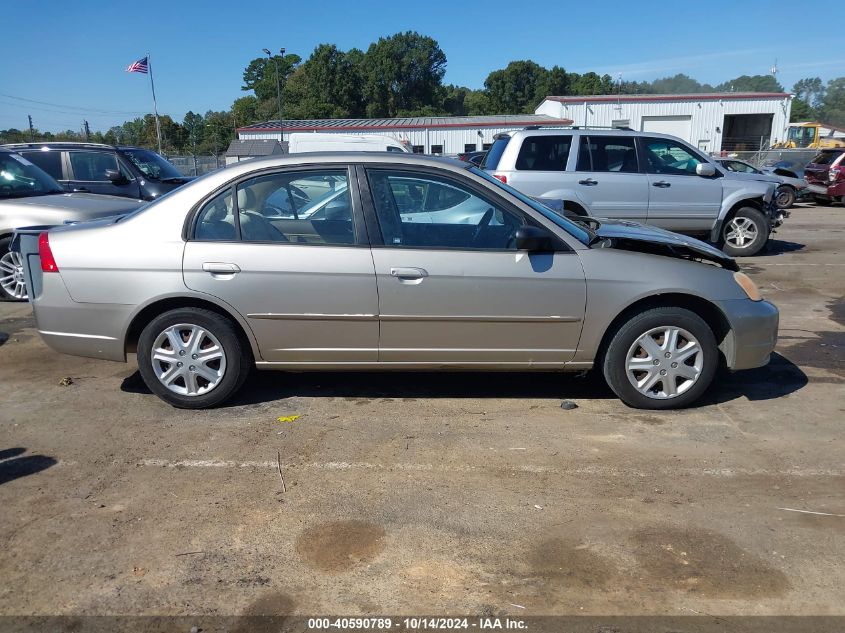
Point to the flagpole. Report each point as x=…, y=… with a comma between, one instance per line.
x=155, y=105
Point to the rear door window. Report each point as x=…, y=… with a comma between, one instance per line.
x=608, y=154
x=544, y=153
x=92, y=166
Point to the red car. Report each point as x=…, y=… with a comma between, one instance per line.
x=825, y=176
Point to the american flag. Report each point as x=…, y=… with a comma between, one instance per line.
x=141, y=66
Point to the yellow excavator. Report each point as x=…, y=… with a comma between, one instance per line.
x=812, y=135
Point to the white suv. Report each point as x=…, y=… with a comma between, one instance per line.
x=648, y=178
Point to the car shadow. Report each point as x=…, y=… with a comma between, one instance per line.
x=14, y=465
x=264, y=386
x=780, y=247
x=779, y=378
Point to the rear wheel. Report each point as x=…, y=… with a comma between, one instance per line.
x=663, y=358
x=746, y=233
x=784, y=197
x=192, y=358
x=12, y=284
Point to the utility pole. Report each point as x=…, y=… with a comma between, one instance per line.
x=31, y=129
x=87, y=131
x=278, y=89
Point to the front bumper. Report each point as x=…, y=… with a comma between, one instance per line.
x=754, y=332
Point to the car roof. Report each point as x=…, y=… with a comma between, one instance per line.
x=592, y=131
x=306, y=158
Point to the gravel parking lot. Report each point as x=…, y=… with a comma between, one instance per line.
x=436, y=493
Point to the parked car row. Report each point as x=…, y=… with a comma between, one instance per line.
x=642, y=177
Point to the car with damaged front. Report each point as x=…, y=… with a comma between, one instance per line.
x=210, y=281
x=30, y=196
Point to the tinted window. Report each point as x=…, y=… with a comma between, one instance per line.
x=92, y=166
x=304, y=207
x=825, y=158
x=458, y=219
x=151, y=164
x=19, y=178
x=544, y=153
x=495, y=151
x=49, y=161
x=216, y=221
x=670, y=158
x=608, y=153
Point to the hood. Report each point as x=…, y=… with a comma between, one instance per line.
x=738, y=175
x=625, y=235
x=87, y=204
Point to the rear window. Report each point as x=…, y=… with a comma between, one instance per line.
x=50, y=161
x=544, y=153
x=825, y=158
x=494, y=155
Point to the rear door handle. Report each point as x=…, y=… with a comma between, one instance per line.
x=409, y=273
x=662, y=184
x=589, y=182
x=221, y=268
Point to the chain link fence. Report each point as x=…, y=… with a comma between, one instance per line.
x=196, y=165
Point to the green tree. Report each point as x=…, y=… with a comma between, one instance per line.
x=810, y=90
x=591, y=84
x=832, y=107
x=327, y=85
x=517, y=88
x=245, y=110
x=260, y=77
x=194, y=126
x=751, y=83
x=402, y=74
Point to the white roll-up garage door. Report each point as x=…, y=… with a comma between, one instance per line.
x=679, y=125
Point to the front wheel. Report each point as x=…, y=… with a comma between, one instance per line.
x=12, y=283
x=746, y=233
x=784, y=197
x=663, y=358
x=192, y=358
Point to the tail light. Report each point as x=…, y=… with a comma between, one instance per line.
x=501, y=177
x=48, y=262
x=834, y=174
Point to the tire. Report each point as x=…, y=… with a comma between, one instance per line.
x=625, y=345
x=12, y=286
x=785, y=197
x=206, y=333
x=745, y=233
x=823, y=202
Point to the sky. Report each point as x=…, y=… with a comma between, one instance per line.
x=65, y=61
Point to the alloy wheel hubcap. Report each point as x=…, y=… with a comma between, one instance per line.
x=188, y=359
x=741, y=232
x=664, y=362
x=11, y=275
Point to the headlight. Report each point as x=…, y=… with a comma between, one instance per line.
x=748, y=286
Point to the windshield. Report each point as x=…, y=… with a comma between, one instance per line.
x=580, y=233
x=825, y=158
x=802, y=136
x=19, y=178
x=153, y=165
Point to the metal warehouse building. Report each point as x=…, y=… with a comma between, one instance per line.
x=712, y=122
x=424, y=135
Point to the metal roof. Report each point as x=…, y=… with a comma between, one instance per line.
x=253, y=147
x=700, y=96
x=435, y=122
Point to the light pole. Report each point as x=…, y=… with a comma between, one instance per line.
x=278, y=89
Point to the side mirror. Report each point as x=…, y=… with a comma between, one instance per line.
x=705, y=169
x=534, y=240
x=115, y=176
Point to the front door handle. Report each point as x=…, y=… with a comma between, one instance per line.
x=221, y=268
x=408, y=273
x=589, y=182
x=80, y=189
x=662, y=184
